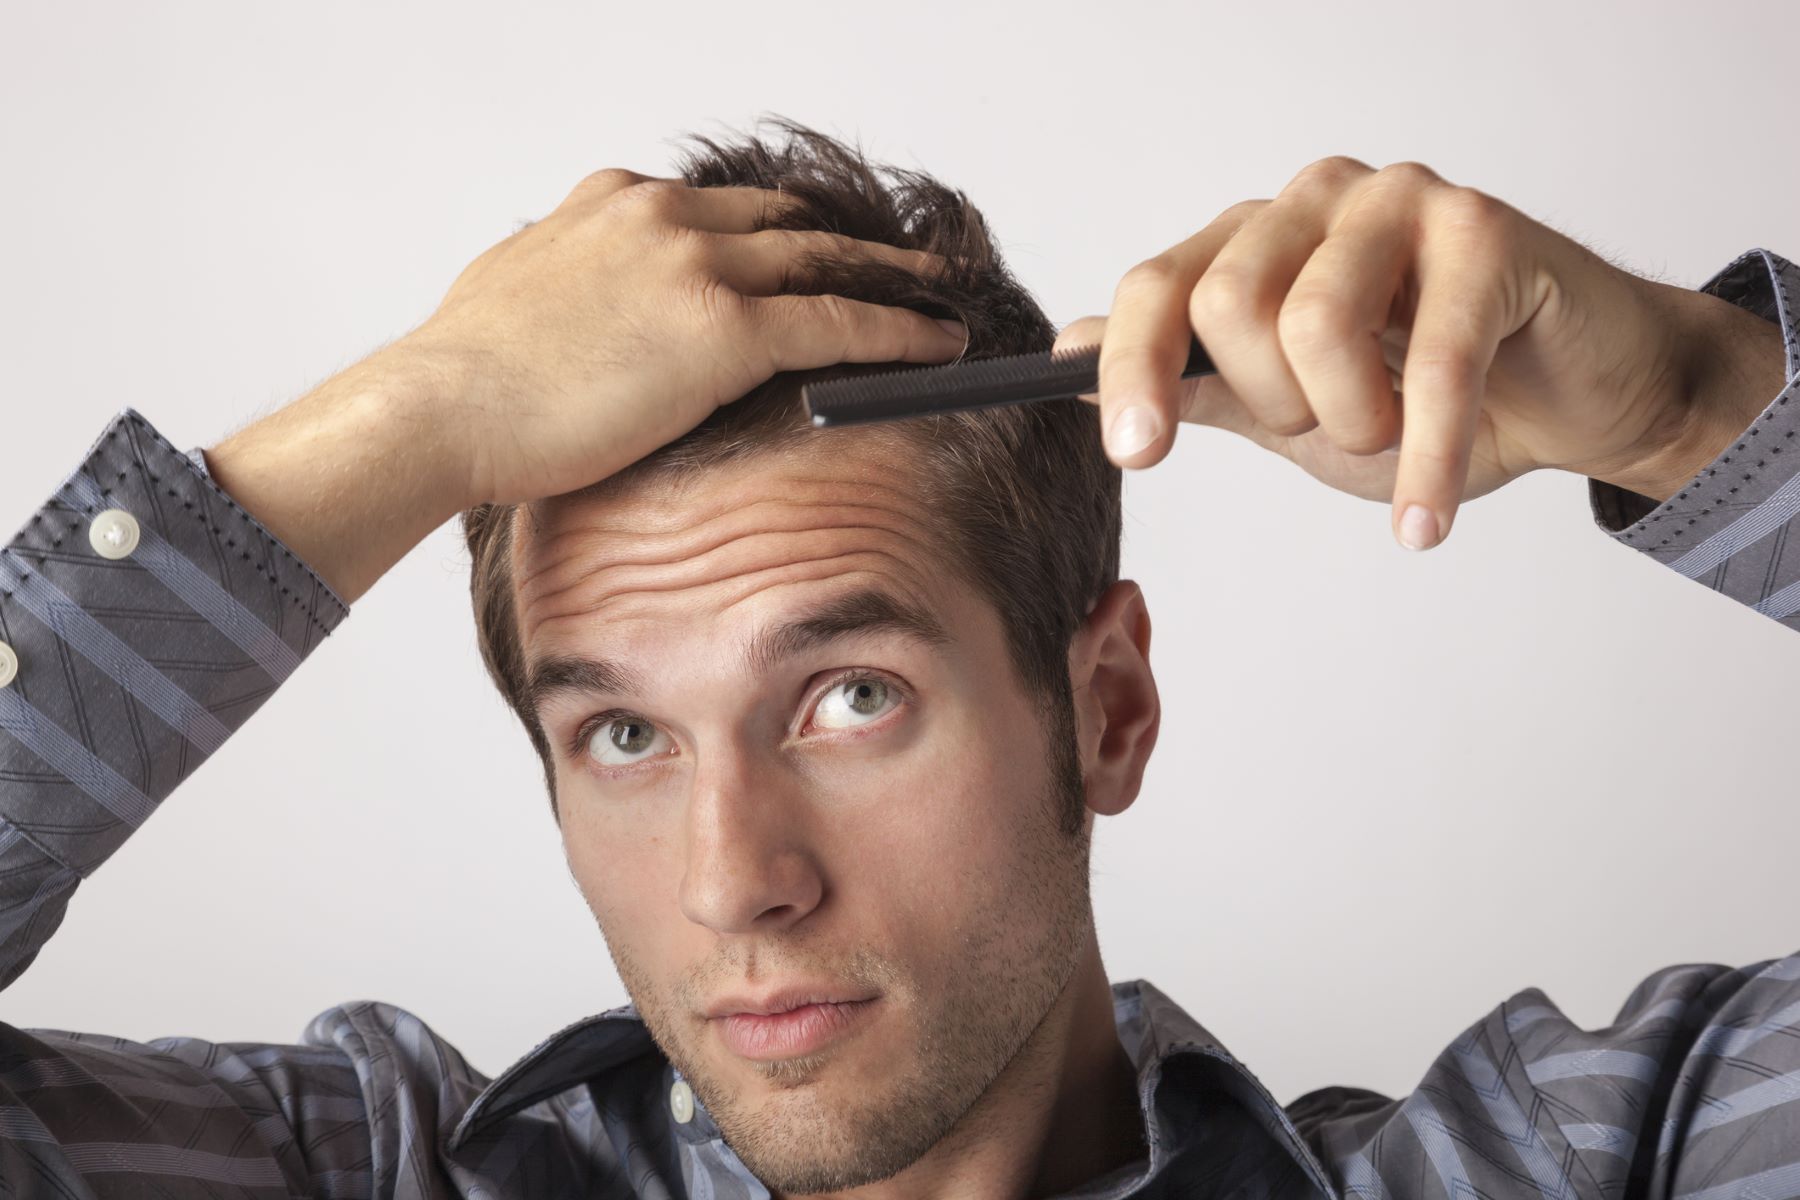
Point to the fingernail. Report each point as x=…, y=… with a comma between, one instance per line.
x=1418, y=527
x=1131, y=430
x=956, y=328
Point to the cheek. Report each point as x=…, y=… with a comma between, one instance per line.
x=629, y=879
x=946, y=844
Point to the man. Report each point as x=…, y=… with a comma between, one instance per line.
x=826, y=716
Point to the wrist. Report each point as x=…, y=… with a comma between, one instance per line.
x=1732, y=365
x=354, y=474
x=420, y=393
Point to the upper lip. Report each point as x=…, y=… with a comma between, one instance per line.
x=785, y=1000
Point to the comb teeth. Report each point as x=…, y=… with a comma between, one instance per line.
x=982, y=383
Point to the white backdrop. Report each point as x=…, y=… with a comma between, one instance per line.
x=208, y=208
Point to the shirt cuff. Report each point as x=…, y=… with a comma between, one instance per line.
x=146, y=615
x=1727, y=528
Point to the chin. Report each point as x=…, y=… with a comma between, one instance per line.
x=834, y=1120
x=803, y=1140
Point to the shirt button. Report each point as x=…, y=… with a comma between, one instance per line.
x=681, y=1101
x=9, y=664
x=114, y=533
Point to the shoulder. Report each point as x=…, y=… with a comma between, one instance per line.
x=396, y=1054
x=1678, y=1087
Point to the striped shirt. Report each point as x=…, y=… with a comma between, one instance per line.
x=144, y=616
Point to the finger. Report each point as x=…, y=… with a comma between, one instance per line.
x=734, y=209
x=1236, y=307
x=1202, y=400
x=801, y=332
x=1333, y=321
x=1461, y=319
x=770, y=261
x=1146, y=345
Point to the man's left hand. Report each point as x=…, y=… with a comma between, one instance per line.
x=1358, y=297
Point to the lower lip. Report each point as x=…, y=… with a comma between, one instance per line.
x=795, y=1032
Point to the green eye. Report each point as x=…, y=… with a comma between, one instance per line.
x=625, y=740
x=854, y=702
x=633, y=737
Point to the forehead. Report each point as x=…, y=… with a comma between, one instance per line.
x=728, y=546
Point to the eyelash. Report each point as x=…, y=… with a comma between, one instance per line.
x=587, y=729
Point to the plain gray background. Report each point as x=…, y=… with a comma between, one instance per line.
x=1340, y=859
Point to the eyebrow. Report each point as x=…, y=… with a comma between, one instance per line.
x=859, y=613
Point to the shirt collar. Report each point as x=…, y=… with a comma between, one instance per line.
x=571, y=1056
x=1154, y=1030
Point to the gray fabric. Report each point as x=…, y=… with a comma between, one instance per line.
x=130, y=669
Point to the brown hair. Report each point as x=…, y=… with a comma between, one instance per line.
x=1027, y=500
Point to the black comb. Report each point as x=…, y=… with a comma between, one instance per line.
x=981, y=383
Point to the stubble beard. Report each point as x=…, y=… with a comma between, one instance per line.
x=996, y=994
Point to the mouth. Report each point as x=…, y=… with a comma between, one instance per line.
x=788, y=1025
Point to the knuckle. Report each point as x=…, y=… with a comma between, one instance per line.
x=782, y=241
x=1473, y=210
x=825, y=241
x=688, y=251
x=1411, y=174
x=806, y=250
x=834, y=310
x=650, y=200
x=608, y=180
x=721, y=296
x=1083, y=331
x=658, y=195
x=1333, y=171
x=1313, y=322
x=716, y=303
x=1225, y=296
x=1119, y=363
x=1434, y=461
x=1433, y=369
x=1151, y=275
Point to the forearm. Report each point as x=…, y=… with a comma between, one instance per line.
x=360, y=470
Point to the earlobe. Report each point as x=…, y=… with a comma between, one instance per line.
x=1117, y=709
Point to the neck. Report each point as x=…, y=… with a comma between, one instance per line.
x=1063, y=1111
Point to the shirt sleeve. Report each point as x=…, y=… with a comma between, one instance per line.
x=1730, y=526
x=143, y=617
x=1693, y=1091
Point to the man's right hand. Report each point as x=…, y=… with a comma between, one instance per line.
x=564, y=353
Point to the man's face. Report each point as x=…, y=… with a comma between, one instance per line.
x=811, y=805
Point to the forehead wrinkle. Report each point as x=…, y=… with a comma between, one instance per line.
x=568, y=553
x=705, y=568
x=692, y=545
x=902, y=573
x=853, y=494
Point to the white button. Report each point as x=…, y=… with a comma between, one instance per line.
x=9, y=664
x=114, y=533
x=681, y=1101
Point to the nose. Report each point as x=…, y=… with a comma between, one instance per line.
x=750, y=865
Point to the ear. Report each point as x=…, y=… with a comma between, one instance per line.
x=1117, y=710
